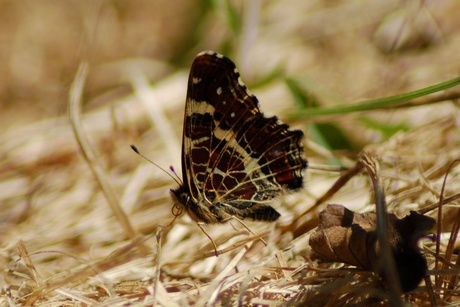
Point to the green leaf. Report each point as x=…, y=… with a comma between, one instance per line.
x=387, y=130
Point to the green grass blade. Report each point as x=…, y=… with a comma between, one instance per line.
x=374, y=104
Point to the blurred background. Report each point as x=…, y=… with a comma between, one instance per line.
x=344, y=50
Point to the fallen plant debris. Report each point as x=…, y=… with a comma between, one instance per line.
x=351, y=237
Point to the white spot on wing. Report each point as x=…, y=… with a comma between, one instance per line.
x=210, y=52
x=200, y=107
x=196, y=80
x=240, y=82
x=219, y=90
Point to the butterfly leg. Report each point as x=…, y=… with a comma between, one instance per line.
x=245, y=226
x=200, y=224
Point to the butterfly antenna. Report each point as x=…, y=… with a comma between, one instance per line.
x=171, y=168
x=177, y=180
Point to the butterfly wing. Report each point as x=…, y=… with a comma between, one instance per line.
x=234, y=160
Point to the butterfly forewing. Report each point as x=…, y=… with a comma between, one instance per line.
x=234, y=160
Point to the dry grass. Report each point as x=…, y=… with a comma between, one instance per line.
x=78, y=231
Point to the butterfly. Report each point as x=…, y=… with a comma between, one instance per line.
x=235, y=160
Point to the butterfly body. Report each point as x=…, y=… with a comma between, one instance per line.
x=235, y=160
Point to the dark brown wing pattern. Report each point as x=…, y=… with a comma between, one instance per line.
x=234, y=160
